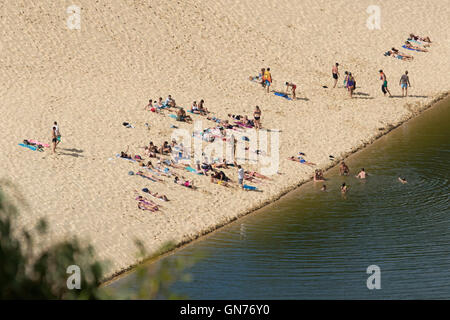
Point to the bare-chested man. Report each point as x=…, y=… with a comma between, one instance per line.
x=335, y=73
x=362, y=174
x=343, y=169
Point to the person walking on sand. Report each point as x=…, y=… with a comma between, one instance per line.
x=404, y=83
x=257, y=117
x=267, y=79
x=54, y=139
x=335, y=73
x=362, y=174
x=384, y=85
x=293, y=86
x=58, y=134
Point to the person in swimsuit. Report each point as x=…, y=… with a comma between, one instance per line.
x=58, y=134
x=402, y=180
x=410, y=46
x=362, y=174
x=324, y=188
x=404, y=83
x=335, y=73
x=318, y=175
x=261, y=77
x=267, y=79
x=345, y=79
x=149, y=105
x=350, y=84
x=54, y=139
x=384, y=87
x=343, y=169
x=257, y=117
x=293, y=87
x=344, y=188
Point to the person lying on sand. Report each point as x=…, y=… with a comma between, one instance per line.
x=362, y=174
x=425, y=39
x=156, y=195
x=186, y=183
x=256, y=175
x=301, y=160
x=402, y=180
x=411, y=46
x=318, y=175
x=343, y=169
x=399, y=55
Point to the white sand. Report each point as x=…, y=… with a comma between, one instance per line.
x=91, y=80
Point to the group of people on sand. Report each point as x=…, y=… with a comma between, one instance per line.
x=349, y=79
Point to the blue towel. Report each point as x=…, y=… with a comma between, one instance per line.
x=173, y=116
x=403, y=46
x=29, y=147
x=280, y=94
x=247, y=187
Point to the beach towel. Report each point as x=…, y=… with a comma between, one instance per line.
x=241, y=124
x=190, y=169
x=283, y=95
x=173, y=115
x=247, y=187
x=404, y=46
x=27, y=146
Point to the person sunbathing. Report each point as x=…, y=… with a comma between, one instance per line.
x=256, y=175
x=201, y=107
x=125, y=155
x=219, y=176
x=204, y=167
x=425, y=39
x=181, y=116
x=410, y=46
x=301, y=160
x=146, y=206
x=318, y=175
x=397, y=54
x=156, y=195
x=194, y=108
x=186, y=183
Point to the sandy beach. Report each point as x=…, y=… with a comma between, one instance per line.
x=93, y=79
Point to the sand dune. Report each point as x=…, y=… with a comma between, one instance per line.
x=91, y=80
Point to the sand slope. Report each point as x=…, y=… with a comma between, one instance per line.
x=91, y=80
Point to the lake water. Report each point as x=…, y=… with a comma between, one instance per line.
x=317, y=245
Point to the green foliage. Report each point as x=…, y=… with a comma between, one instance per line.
x=26, y=275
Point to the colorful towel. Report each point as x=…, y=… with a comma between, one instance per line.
x=27, y=146
x=283, y=95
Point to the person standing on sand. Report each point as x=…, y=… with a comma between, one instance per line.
x=58, y=134
x=267, y=79
x=54, y=139
x=257, y=117
x=261, y=77
x=335, y=73
x=293, y=88
x=350, y=84
x=404, y=83
x=384, y=87
x=241, y=176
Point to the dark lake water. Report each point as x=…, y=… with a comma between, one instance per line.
x=317, y=245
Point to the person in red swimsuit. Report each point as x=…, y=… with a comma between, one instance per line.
x=293, y=86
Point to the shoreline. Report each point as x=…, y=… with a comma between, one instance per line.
x=95, y=79
x=201, y=236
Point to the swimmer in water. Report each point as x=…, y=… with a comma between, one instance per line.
x=362, y=174
x=344, y=188
x=343, y=169
x=402, y=180
x=324, y=188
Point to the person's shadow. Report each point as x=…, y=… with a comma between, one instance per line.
x=73, y=152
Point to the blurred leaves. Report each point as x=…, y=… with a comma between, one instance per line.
x=27, y=275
